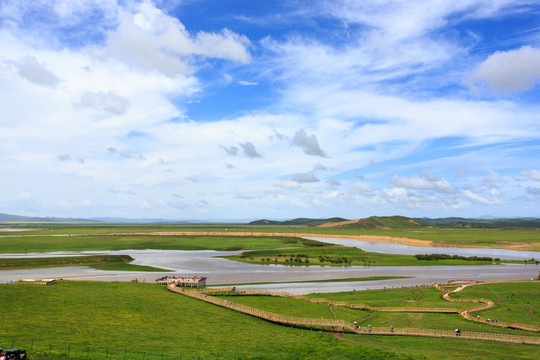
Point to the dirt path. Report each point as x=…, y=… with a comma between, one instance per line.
x=531, y=312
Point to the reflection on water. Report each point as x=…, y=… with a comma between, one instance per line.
x=222, y=271
x=393, y=248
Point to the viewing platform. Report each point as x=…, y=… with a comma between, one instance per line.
x=186, y=281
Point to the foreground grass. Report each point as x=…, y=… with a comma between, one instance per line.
x=100, y=262
x=146, y=320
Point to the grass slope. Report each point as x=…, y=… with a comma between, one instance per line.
x=137, y=321
x=146, y=318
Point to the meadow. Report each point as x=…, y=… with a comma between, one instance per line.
x=259, y=249
x=145, y=321
x=96, y=320
x=491, y=237
x=45, y=243
x=100, y=262
x=337, y=255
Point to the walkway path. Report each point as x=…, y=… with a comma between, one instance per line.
x=334, y=325
x=486, y=304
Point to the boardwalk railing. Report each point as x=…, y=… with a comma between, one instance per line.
x=485, y=305
x=330, y=302
x=341, y=325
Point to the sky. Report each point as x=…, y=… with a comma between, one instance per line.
x=240, y=110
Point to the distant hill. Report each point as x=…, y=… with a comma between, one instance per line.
x=7, y=218
x=373, y=222
x=298, y=222
x=402, y=222
x=380, y=222
x=478, y=223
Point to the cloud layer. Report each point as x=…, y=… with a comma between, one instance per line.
x=339, y=108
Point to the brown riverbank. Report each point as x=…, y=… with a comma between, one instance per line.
x=375, y=238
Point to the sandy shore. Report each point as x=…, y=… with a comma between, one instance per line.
x=374, y=238
x=387, y=239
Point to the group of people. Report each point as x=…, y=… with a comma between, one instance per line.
x=369, y=327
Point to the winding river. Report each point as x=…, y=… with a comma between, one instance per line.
x=291, y=278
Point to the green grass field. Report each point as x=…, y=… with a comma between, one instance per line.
x=14, y=244
x=519, y=304
x=337, y=255
x=143, y=321
x=516, y=238
x=100, y=262
x=409, y=297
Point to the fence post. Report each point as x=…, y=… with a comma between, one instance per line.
x=87, y=352
x=125, y=354
x=143, y=355
x=69, y=349
x=12, y=343
x=107, y=353
x=32, y=345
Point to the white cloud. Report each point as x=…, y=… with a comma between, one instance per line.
x=494, y=200
x=247, y=83
x=30, y=69
x=427, y=181
x=532, y=174
x=249, y=150
x=362, y=186
x=307, y=177
x=288, y=184
x=493, y=177
x=150, y=40
x=103, y=101
x=510, y=71
x=309, y=144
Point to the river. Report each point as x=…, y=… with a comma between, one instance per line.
x=221, y=271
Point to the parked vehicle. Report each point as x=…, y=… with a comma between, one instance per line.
x=15, y=354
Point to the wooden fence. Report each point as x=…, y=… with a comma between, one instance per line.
x=330, y=302
x=485, y=305
x=341, y=325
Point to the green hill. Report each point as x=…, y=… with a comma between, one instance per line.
x=380, y=222
x=298, y=222
x=479, y=223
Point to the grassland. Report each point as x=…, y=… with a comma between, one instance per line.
x=366, y=278
x=336, y=255
x=100, y=262
x=16, y=244
x=517, y=238
x=144, y=320
x=520, y=303
x=269, y=249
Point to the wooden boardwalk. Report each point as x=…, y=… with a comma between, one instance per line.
x=484, y=304
x=338, y=325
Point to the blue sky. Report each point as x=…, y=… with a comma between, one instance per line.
x=241, y=110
